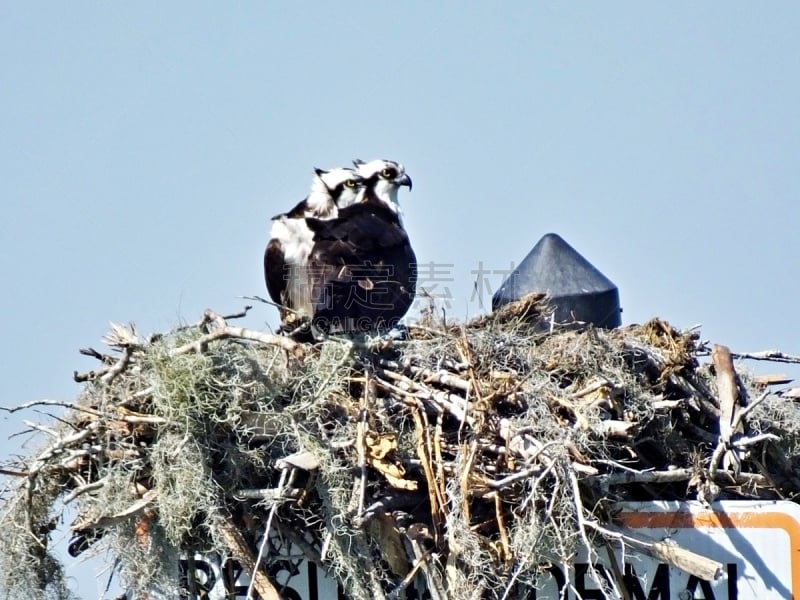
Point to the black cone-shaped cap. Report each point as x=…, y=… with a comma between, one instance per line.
x=577, y=290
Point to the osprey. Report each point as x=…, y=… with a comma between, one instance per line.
x=286, y=256
x=364, y=269
x=382, y=180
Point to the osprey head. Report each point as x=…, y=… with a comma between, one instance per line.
x=332, y=190
x=384, y=178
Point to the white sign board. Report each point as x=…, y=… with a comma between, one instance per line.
x=758, y=544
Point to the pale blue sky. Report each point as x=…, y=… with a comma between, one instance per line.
x=144, y=147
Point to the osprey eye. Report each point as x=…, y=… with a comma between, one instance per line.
x=387, y=173
x=351, y=183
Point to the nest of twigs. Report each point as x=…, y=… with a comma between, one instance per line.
x=455, y=462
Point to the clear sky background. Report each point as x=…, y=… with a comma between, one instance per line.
x=145, y=146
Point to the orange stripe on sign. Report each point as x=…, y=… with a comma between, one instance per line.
x=739, y=520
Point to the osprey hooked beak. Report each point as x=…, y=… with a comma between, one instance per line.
x=405, y=180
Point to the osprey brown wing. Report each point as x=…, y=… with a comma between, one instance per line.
x=363, y=270
x=275, y=271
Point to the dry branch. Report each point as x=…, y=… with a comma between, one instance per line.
x=672, y=554
x=228, y=332
x=239, y=548
x=770, y=355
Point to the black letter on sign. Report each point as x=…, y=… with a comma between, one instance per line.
x=205, y=582
x=581, y=569
x=733, y=582
x=691, y=586
x=658, y=591
x=288, y=566
x=558, y=577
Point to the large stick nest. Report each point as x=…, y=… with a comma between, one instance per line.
x=455, y=463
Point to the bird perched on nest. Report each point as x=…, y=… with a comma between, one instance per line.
x=291, y=240
x=341, y=258
x=364, y=268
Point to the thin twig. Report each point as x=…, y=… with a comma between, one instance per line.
x=241, y=333
x=747, y=409
x=118, y=367
x=267, y=527
x=361, y=442
x=770, y=355
x=70, y=405
x=89, y=487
